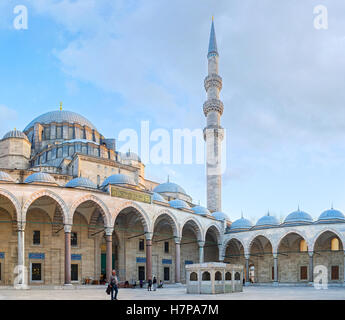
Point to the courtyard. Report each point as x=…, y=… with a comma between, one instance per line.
x=175, y=293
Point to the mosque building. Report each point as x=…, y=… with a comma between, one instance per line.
x=72, y=208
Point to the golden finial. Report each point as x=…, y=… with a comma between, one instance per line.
x=212, y=18
x=15, y=129
x=60, y=106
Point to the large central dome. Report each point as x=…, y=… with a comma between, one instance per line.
x=60, y=117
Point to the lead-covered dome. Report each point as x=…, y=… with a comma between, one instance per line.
x=60, y=117
x=157, y=197
x=15, y=134
x=267, y=221
x=41, y=177
x=179, y=204
x=119, y=178
x=169, y=187
x=4, y=176
x=221, y=216
x=81, y=183
x=201, y=210
x=298, y=217
x=331, y=216
x=241, y=224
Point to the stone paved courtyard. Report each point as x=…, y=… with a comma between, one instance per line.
x=249, y=293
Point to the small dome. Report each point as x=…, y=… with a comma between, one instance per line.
x=130, y=156
x=15, y=134
x=157, y=197
x=331, y=215
x=298, y=217
x=61, y=117
x=169, y=187
x=81, y=183
x=267, y=221
x=4, y=176
x=221, y=216
x=40, y=177
x=241, y=224
x=201, y=210
x=179, y=204
x=119, y=179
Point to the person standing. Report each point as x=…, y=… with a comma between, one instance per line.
x=154, y=283
x=149, y=286
x=114, y=282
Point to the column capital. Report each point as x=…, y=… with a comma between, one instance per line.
x=275, y=255
x=246, y=256
x=108, y=231
x=201, y=243
x=177, y=240
x=67, y=228
x=311, y=253
x=149, y=235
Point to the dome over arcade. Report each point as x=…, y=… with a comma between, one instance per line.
x=119, y=179
x=41, y=177
x=267, y=221
x=129, y=155
x=298, y=217
x=60, y=116
x=179, y=204
x=331, y=215
x=221, y=216
x=157, y=197
x=201, y=210
x=241, y=224
x=81, y=183
x=4, y=176
x=15, y=134
x=169, y=187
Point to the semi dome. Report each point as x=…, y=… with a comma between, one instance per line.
x=15, y=134
x=157, y=197
x=221, y=216
x=241, y=224
x=60, y=117
x=267, y=221
x=298, y=217
x=179, y=204
x=119, y=179
x=169, y=187
x=4, y=176
x=201, y=210
x=331, y=215
x=81, y=183
x=40, y=177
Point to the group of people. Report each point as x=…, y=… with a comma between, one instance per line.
x=113, y=286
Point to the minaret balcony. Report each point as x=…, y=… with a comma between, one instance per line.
x=213, y=80
x=213, y=105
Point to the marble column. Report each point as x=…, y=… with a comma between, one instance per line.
x=177, y=260
x=247, y=270
x=68, y=229
x=201, y=251
x=22, y=274
x=275, y=258
x=109, y=251
x=148, y=256
x=220, y=253
x=311, y=266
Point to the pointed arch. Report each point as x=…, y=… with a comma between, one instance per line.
x=47, y=193
x=214, y=227
x=171, y=219
x=322, y=231
x=103, y=208
x=227, y=242
x=276, y=245
x=196, y=227
x=251, y=241
x=11, y=197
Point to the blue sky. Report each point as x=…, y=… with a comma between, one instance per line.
x=120, y=62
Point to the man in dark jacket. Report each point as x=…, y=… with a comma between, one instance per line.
x=113, y=282
x=149, y=286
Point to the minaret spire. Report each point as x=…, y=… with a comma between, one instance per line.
x=213, y=133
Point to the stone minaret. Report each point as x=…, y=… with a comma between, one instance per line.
x=213, y=133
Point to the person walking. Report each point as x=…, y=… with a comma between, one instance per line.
x=154, y=283
x=149, y=286
x=114, y=282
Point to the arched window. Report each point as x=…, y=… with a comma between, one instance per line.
x=237, y=276
x=206, y=276
x=303, y=247
x=334, y=244
x=193, y=276
x=218, y=276
x=228, y=276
